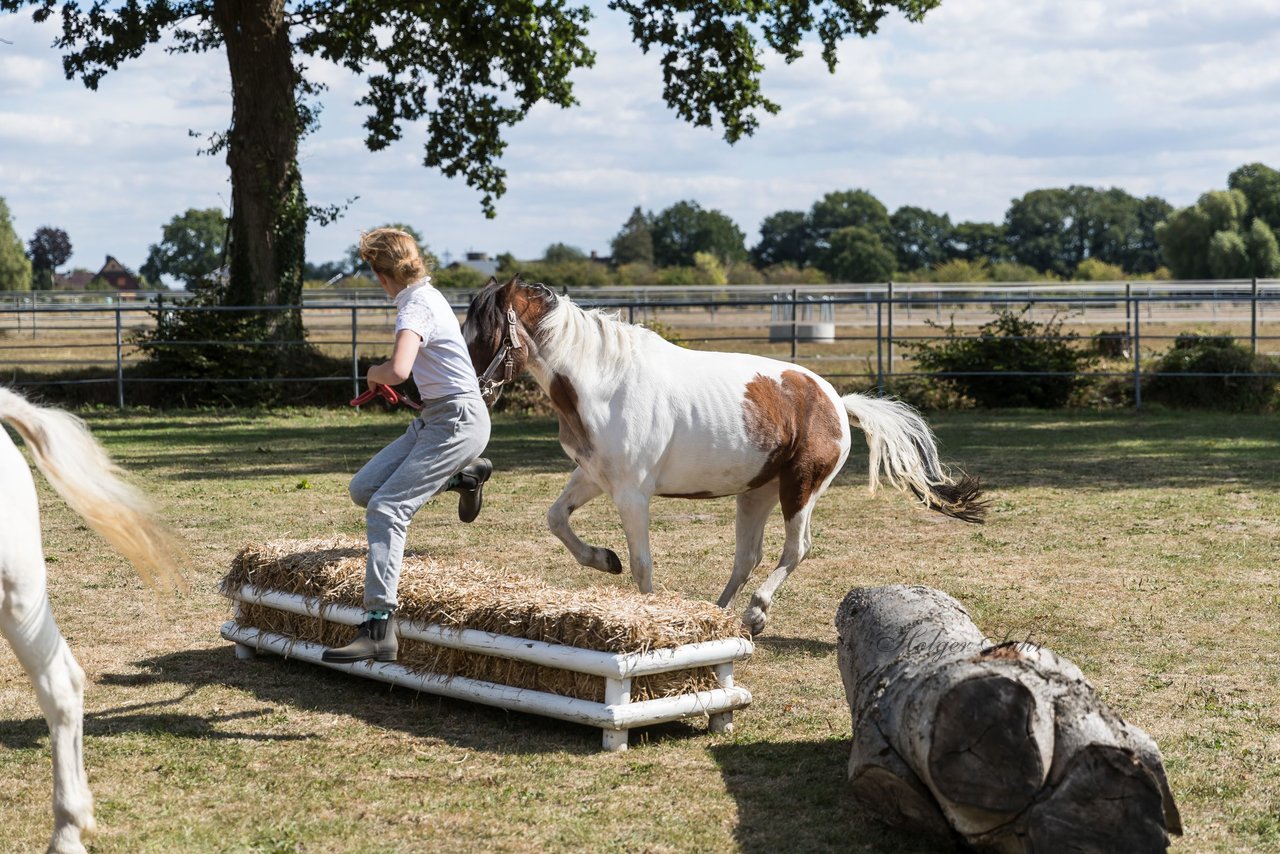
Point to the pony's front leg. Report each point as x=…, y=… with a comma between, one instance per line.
x=578, y=491
x=633, y=509
x=59, y=684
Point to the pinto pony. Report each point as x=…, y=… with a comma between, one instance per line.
x=641, y=417
x=79, y=470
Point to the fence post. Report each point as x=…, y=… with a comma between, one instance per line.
x=888, y=338
x=1128, y=315
x=879, y=349
x=355, y=356
x=1253, y=316
x=119, y=362
x=795, y=317
x=1137, y=357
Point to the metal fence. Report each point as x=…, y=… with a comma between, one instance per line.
x=863, y=333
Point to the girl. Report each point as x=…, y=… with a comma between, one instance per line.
x=440, y=449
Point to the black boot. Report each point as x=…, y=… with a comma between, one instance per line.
x=376, y=640
x=469, y=484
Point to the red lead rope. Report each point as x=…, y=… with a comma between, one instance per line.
x=387, y=393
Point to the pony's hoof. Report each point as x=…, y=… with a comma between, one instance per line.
x=612, y=564
x=755, y=619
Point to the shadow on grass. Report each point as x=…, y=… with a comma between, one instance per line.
x=792, y=647
x=792, y=797
x=218, y=447
x=1067, y=449
x=1091, y=451
x=300, y=685
x=143, y=718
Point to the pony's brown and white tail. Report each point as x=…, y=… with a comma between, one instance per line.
x=905, y=452
x=77, y=467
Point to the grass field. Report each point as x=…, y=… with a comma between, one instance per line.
x=1143, y=547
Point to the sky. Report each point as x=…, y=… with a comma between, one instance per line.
x=980, y=103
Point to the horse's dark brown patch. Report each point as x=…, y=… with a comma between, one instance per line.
x=486, y=320
x=799, y=429
x=573, y=433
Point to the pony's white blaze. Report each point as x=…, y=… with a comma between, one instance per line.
x=643, y=417
x=78, y=469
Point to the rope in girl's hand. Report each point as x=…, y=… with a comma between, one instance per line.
x=387, y=393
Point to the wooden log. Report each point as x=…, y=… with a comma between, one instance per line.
x=1005, y=745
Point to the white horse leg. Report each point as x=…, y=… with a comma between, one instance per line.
x=754, y=508
x=59, y=684
x=793, y=551
x=633, y=509
x=578, y=491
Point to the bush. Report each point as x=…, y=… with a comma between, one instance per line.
x=992, y=367
x=1112, y=343
x=212, y=348
x=1177, y=379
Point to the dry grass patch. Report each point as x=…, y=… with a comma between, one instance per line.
x=1141, y=547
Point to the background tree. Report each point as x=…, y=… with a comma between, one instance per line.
x=856, y=254
x=785, y=238
x=1228, y=255
x=971, y=241
x=1210, y=239
x=463, y=71
x=1184, y=242
x=845, y=208
x=1261, y=187
x=685, y=228
x=1056, y=229
x=919, y=237
x=1142, y=255
x=1264, y=250
x=190, y=248
x=48, y=249
x=559, y=253
x=633, y=244
x=15, y=267
x=1038, y=228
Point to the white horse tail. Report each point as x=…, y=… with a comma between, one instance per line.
x=78, y=468
x=905, y=452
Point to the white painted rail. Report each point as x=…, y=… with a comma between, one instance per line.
x=615, y=716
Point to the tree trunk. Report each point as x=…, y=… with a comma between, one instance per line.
x=268, y=209
x=1006, y=745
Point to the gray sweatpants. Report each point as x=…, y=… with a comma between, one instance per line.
x=449, y=434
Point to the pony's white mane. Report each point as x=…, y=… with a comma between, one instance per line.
x=576, y=338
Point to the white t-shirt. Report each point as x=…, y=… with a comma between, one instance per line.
x=442, y=367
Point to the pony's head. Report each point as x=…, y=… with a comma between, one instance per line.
x=499, y=329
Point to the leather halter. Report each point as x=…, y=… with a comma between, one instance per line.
x=490, y=388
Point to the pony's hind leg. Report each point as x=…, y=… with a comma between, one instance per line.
x=59, y=682
x=754, y=508
x=578, y=491
x=793, y=551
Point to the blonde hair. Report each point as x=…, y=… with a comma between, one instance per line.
x=394, y=254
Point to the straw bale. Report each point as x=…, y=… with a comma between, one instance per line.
x=473, y=596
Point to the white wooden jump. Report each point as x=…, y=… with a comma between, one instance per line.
x=615, y=716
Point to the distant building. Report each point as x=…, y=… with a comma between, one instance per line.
x=76, y=280
x=478, y=261
x=116, y=275
x=119, y=276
